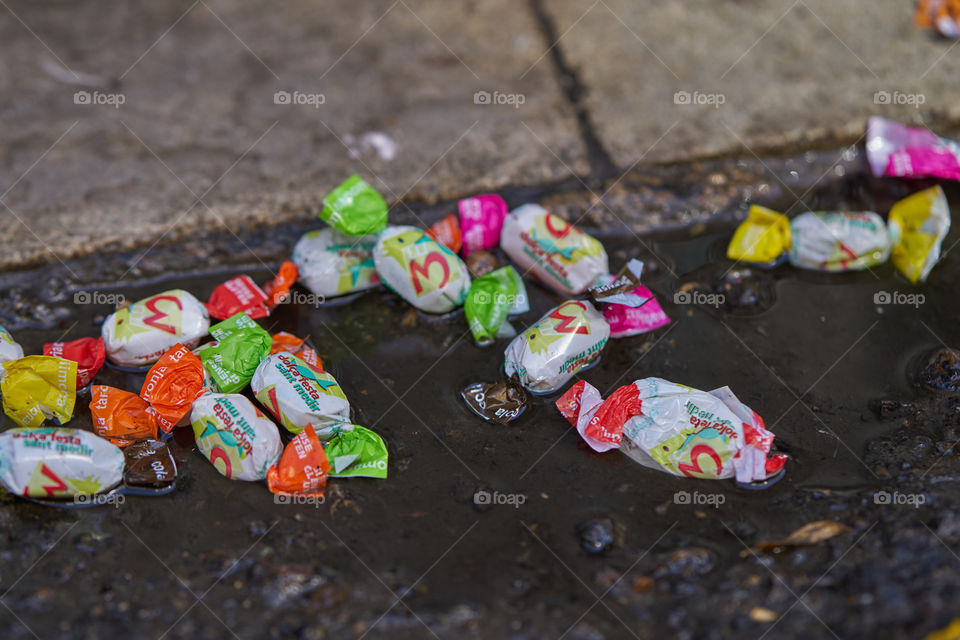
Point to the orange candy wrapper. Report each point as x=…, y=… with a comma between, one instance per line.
x=942, y=15
x=284, y=342
x=446, y=231
x=120, y=416
x=278, y=289
x=302, y=469
x=172, y=384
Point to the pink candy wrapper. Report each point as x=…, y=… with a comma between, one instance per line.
x=627, y=321
x=899, y=151
x=481, y=218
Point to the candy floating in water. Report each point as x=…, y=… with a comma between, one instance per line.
x=762, y=239
x=303, y=467
x=139, y=334
x=420, y=270
x=171, y=386
x=88, y=353
x=561, y=256
x=284, y=342
x=355, y=451
x=481, y=220
x=492, y=298
x=900, y=151
x=38, y=388
x=501, y=402
x=235, y=436
x=120, y=416
x=838, y=241
x=674, y=428
x=238, y=295
x=297, y=394
x=149, y=463
x=919, y=223
x=241, y=345
x=355, y=208
x=57, y=463
x=567, y=339
x=334, y=264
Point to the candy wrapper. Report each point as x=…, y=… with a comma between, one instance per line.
x=172, y=385
x=302, y=469
x=9, y=349
x=838, y=241
x=297, y=394
x=501, y=402
x=149, y=463
x=241, y=345
x=139, y=334
x=481, y=220
x=39, y=388
x=446, y=231
x=627, y=321
x=762, y=239
x=943, y=15
x=919, y=223
x=284, y=342
x=235, y=436
x=557, y=253
x=120, y=416
x=278, y=289
x=57, y=463
x=900, y=151
x=355, y=451
x=238, y=295
x=674, y=428
x=88, y=353
x=355, y=208
x=492, y=298
x=333, y=264
x=566, y=340
x=420, y=270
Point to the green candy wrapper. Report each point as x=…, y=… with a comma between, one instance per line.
x=355, y=451
x=355, y=208
x=491, y=299
x=241, y=345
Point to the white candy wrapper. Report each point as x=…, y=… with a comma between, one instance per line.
x=139, y=334
x=9, y=348
x=235, y=436
x=839, y=241
x=334, y=264
x=567, y=339
x=58, y=462
x=675, y=428
x=561, y=256
x=421, y=270
x=297, y=394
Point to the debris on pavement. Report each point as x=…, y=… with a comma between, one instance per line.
x=355, y=451
x=500, y=402
x=38, y=388
x=355, y=208
x=919, y=223
x=762, y=239
x=597, y=535
x=809, y=534
x=492, y=298
x=88, y=353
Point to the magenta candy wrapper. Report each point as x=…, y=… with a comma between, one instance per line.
x=627, y=321
x=481, y=218
x=899, y=151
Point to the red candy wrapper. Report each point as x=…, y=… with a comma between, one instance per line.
x=88, y=353
x=278, y=289
x=120, y=416
x=240, y=294
x=447, y=232
x=302, y=469
x=172, y=384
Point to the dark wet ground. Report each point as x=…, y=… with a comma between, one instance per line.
x=831, y=372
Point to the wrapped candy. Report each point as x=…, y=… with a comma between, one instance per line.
x=481, y=219
x=355, y=208
x=420, y=270
x=88, y=353
x=334, y=264
x=674, y=428
x=446, y=231
x=501, y=402
x=298, y=394
x=356, y=451
x=120, y=416
x=942, y=15
x=238, y=295
x=899, y=151
x=241, y=345
x=149, y=463
x=557, y=253
x=627, y=321
x=278, y=289
x=567, y=339
x=491, y=299
x=38, y=388
x=284, y=342
x=235, y=436
x=762, y=239
x=919, y=223
x=172, y=385
x=838, y=241
x=139, y=334
x=303, y=467
x=9, y=349
x=57, y=463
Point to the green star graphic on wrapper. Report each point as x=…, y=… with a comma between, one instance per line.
x=356, y=451
x=355, y=208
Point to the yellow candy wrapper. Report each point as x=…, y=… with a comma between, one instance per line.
x=763, y=238
x=37, y=388
x=919, y=223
